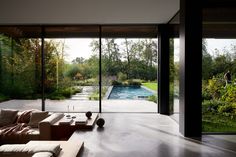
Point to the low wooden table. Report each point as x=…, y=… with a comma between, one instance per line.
x=69, y=148
x=64, y=131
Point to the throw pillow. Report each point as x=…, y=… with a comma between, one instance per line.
x=36, y=117
x=7, y=117
x=24, y=117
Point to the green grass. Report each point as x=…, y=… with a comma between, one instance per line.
x=3, y=97
x=152, y=86
x=218, y=123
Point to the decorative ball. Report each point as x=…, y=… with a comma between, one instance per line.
x=100, y=122
x=88, y=114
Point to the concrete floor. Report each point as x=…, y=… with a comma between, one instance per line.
x=135, y=134
x=149, y=135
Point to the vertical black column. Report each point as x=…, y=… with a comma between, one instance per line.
x=163, y=69
x=43, y=68
x=190, y=68
x=100, y=69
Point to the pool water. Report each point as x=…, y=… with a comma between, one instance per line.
x=129, y=92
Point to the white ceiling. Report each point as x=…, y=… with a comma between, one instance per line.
x=87, y=11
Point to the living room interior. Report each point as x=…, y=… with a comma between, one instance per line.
x=168, y=124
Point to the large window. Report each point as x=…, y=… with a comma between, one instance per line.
x=72, y=70
x=129, y=75
x=218, y=85
x=20, y=72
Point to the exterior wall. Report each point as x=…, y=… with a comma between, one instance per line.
x=87, y=11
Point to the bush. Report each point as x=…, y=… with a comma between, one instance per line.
x=152, y=98
x=134, y=83
x=3, y=97
x=121, y=76
x=229, y=94
x=227, y=109
x=76, y=90
x=212, y=105
x=116, y=83
x=95, y=94
x=215, y=87
x=61, y=94
x=205, y=93
x=88, y=82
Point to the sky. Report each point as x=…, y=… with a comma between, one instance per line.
x=81, y=47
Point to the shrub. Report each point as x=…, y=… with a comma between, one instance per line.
x=121, y=76
x=116, y=83
x=60, y=94
x=76, y=90
x=212, y=105
x=215, y=87
x=205, y=93
x=95, y=94
x=3, y=97
x=152, y=98
x=227, y=108
x=134, y=83
x=229, y=94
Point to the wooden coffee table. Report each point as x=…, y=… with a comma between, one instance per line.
x=64, y=131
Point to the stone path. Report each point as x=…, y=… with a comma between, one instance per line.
x=84, y=95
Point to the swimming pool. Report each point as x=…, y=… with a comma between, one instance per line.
x=129, y=92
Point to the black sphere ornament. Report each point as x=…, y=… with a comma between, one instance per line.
x=100, y=122
x=88, y=114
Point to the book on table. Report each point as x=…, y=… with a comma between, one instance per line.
x=81, y=121
x=65, y=121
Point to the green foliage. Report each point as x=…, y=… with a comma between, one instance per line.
x=213, y=122
x=116, y=83
x=212, y=105
x=228, y=109
x=95, y=94
x=229, y=94
x=121, y=76
x=87, y=82
x=152, y=98
x=205, y=93
x=3, y=97
x=134, y=82
x=215, y=87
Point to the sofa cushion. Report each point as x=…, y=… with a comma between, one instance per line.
x=7, y=117
x=24, y=116
x=36, y=117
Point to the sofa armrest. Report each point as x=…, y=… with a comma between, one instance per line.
x=45, y=125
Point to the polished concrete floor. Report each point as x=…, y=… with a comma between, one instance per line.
x=149, y=135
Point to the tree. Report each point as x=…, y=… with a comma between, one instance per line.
x=206, y=62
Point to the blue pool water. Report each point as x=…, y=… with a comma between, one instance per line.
x=129, y=92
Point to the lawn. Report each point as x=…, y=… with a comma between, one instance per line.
x=152, y=86
x=218, y=123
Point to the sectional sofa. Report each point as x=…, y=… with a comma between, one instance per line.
x=24, y=126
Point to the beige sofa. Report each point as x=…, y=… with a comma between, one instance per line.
x=43, y=149
x=40, y=131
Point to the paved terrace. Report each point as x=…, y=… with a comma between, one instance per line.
x=83, y=105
